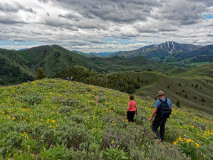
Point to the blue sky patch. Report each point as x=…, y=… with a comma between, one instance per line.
x=207, y=16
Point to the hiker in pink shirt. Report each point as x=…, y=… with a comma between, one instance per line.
x=131, y=109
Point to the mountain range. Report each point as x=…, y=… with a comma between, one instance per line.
x=195, y=61
x=159, y=51
x=94, y=54
x=54, y=59
x=169, y=51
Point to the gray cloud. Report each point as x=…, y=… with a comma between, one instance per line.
x=182, y=12
x=112, y=10
x=14, y=8
x=84, y=24
x=210, y=35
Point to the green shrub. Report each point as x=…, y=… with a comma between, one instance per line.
x=9, y=142
x=115, y=153
x=40, y=74
x=54, y=153
x=102, y=99
x=164, y=152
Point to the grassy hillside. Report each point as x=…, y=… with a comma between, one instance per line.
x=117, y=64
x=203, y=54
x=191, y=92
x=57, y=119
x=200, y=71
x=54, y=59
x=13, y=69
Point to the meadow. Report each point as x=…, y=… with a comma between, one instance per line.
x=57, y=119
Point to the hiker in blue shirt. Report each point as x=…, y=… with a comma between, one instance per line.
x=163, y=108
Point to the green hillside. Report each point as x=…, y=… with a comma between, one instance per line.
x=13, y=69
x=54, y=59
x=203, y=54
x=81, y=74
x=191, y=92
x=200, y=71
x=58, y=119
x=117, y=64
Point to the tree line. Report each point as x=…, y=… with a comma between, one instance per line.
x=114, y=81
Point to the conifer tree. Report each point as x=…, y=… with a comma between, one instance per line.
x=40, y=73
x=203, y=100
x=178, y=103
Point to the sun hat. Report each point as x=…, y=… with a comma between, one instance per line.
x=160, y=93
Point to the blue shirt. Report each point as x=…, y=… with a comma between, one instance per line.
x=158, y=102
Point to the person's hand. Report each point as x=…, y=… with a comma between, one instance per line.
x=125, y=113
x=150, y=120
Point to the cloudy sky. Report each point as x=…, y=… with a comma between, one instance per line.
x=104, y=25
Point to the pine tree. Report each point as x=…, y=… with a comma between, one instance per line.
x=203, y=100
x=40, y=73
x=178, y=103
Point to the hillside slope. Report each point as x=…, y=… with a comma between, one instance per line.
x=203, y=54
x=195, y=92
x=200, y=71
x=13, y=69
x=118, y=64
x=58, y=119
x=54, y=59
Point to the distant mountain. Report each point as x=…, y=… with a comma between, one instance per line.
x=159, y=51
x=203, y=54
x=94, y=54
x=54, y=59
x=22, y=49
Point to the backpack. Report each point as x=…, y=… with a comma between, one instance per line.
x=163, y=110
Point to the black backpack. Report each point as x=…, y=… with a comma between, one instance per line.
x=163, y=110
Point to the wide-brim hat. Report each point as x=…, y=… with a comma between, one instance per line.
x=160, y=93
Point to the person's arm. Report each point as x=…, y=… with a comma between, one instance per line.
x=153, y=114
x=127, y=109
x=136, y=110
x=170, y=104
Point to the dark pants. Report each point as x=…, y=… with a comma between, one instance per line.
x=130, y=116
x=159, y=122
